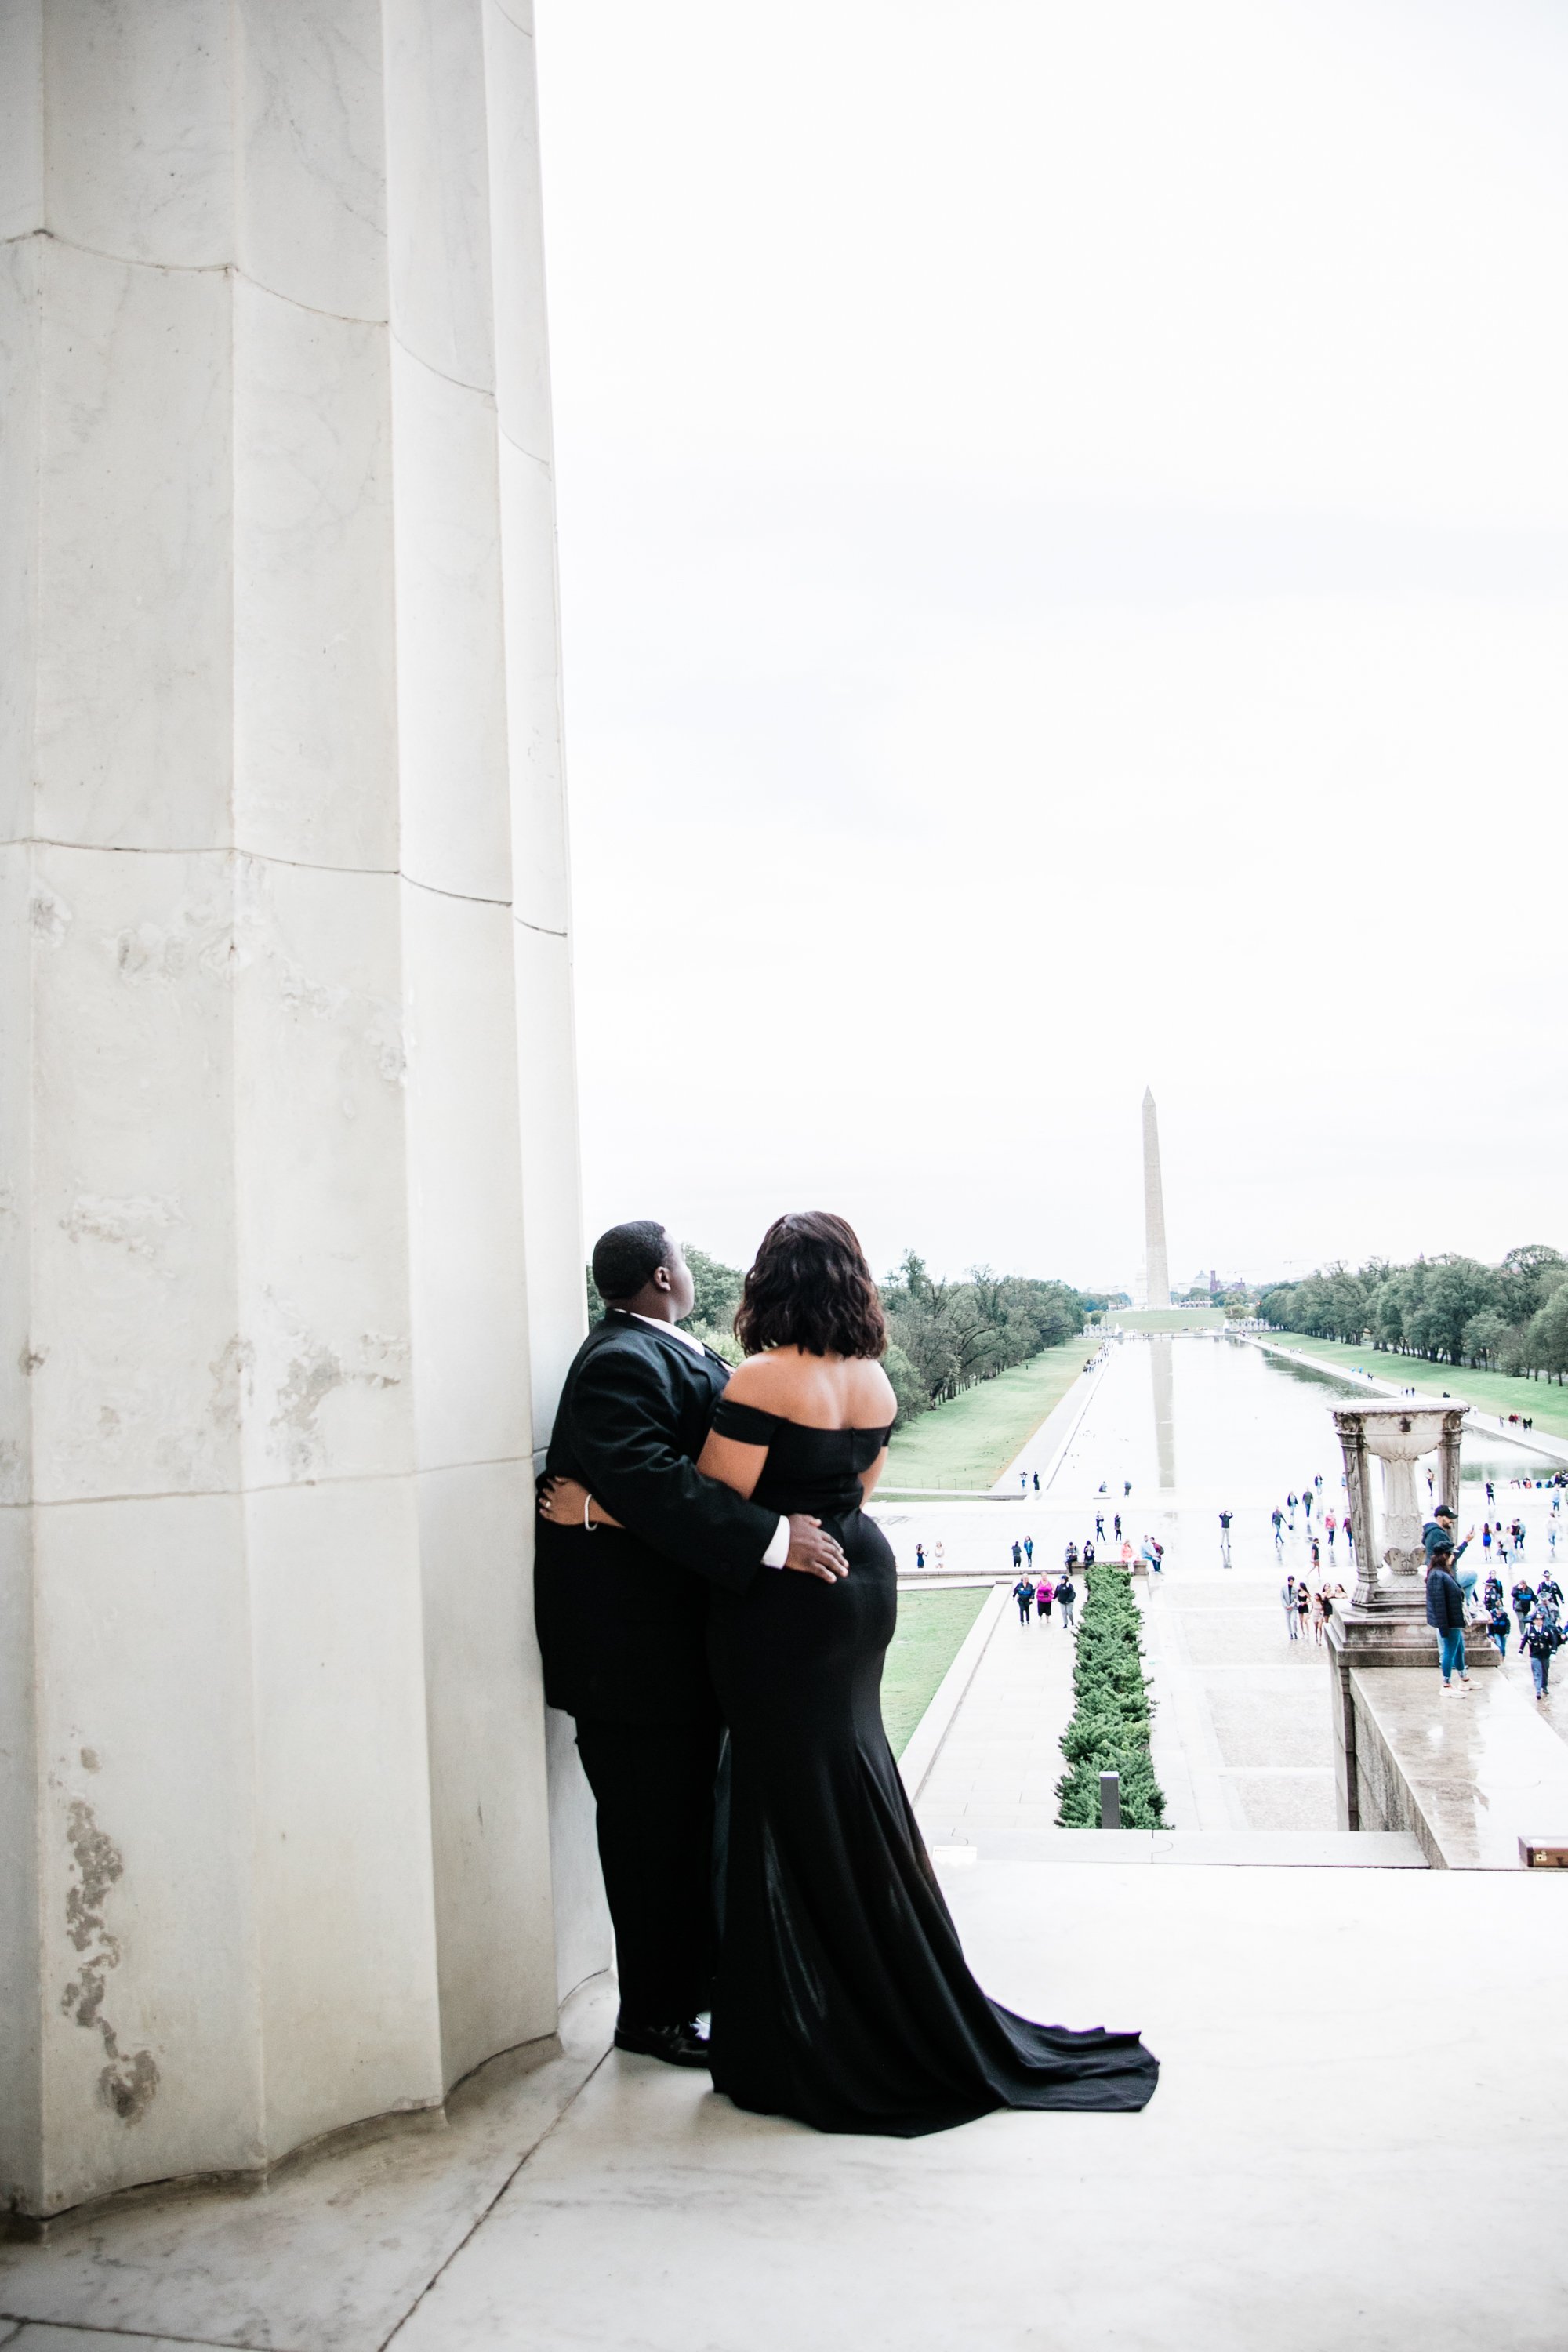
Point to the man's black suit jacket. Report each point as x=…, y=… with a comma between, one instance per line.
x=622, y=1612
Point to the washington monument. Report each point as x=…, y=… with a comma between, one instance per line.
x=1157, y=1266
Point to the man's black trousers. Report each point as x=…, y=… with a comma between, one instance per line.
x=653, y=1786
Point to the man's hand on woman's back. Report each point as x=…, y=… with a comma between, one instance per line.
x=813, y=1550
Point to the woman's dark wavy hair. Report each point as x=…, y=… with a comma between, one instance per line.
x=811, y=1287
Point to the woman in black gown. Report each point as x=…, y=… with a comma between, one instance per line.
x=843, y=1997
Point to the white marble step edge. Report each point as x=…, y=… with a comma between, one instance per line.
x=928, y=1733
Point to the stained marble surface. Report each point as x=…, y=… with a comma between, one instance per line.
x=290, y=1248
x=654, y=2216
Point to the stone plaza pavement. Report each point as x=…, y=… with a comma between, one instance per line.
x=1354, y=2077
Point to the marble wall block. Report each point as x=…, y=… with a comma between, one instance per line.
x=21, y=120
x=438, y=187
x=137, y=129
x=454, y=781
x=311, y=153
x=517, y=232
x=322, y=1204
x=132, y=1324
x=552, y=1184
x=149, y=1987
x=21, y=322
x=541, y=891
x=314, y=678
x=584, y=1938
x=490, y=1811
x=17, y=1364
x=21, y=1952
x=470, y=1314
x=350, y=2009
x=134, y=704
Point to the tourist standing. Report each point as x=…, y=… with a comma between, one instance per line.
x=1278, y=1529
x=1029, y=1549
x=1099, y=1527
x=1446, y=1614
x=1067, y=1595
x=1288, y=1602
x=1116, y=1526
x=920, y=1555
x=1318, y=1618
x=1537, y=1642
x=1303, y=1602
x=1024, y=1594
x=1225, y=1520
x=1017, y=1555
x=1045, y=1592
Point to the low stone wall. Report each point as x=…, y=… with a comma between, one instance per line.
x=1467, y=1775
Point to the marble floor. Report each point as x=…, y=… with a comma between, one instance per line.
x=1353, y=2076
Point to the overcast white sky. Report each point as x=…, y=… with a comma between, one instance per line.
x=1064, y=546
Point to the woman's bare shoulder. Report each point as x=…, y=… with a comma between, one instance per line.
x=873, y=1391
x=767, y=1382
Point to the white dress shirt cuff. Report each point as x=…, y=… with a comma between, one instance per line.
x=777, y=1552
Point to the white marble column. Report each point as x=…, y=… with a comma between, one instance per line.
x=290, y=1248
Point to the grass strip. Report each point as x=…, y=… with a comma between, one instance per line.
x=969, y=1441
x=1492, y=1392
x=1109, y=1727
x=931, y=1627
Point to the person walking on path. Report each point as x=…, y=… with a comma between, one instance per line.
x=1318, y=1618
x=1537, y=1642
x=1067, y=1594
x=1317, y=1555
x=1498, y=1625
x=1036, y=1482
x=1024, y=1594
x=1308, y=1498
x=1290, y=1506
x=1045, y=1592
x=1278, y=1529
x=1225, y=1520
x=1099, y=1527
x=1524, y=1601
x=1017, y=1554
x=1549, y=1594
x=1029, y=1549
x=1288, y=1602
x=1116, y=1525
x=1303, y=1603
x=1446, y=1615
x=920, y=1555
x=1330, y=1524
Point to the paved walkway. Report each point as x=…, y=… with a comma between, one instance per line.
x=998, y=1767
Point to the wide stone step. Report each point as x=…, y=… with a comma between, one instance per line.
x=1212, y=1849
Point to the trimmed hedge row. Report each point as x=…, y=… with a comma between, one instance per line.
x=1109, y=1726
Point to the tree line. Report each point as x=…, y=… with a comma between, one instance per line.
x=942, y=1337
x=1510, y=1317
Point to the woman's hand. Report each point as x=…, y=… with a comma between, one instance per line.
x=565, y=1504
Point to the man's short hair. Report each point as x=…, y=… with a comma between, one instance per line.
x=628, y=1257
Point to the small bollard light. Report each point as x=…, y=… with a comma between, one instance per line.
x=1110, y=1801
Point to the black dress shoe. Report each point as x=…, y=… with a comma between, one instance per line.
x=678, y=2045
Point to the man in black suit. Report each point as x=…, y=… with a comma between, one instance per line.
x=622, y=1615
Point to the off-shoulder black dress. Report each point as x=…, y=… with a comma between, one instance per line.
x=842, y=1998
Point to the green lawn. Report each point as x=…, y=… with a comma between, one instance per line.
x=931, y=1627
x=970, y=1441
x=1546, y=1403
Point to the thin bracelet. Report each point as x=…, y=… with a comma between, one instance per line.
x=588, y=1526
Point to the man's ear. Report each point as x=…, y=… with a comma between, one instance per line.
x=660, y=1279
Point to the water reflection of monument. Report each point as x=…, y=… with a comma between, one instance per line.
x=1156, y=1263
x=1161, y=1376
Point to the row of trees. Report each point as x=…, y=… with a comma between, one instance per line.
x=942, y=1337
x=1511, y=1318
